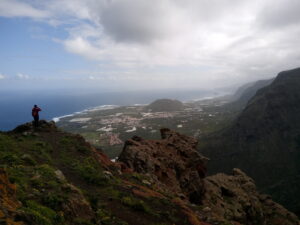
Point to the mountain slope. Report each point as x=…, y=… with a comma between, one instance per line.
x=50, y=177
x=61, y=179
x=264, y=141
x=247, y=91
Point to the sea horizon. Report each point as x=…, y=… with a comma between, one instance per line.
x=16, y=109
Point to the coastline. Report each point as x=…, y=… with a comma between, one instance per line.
x=91, y=109
x=107, y=107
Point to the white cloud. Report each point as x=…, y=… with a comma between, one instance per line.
x=14, y=8
x=23, y=76
x=2, y=76
x=202, y=40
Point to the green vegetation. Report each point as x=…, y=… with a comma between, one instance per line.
x=91, y=171
x=136, y=204
x=43, y=164
x=41, y=215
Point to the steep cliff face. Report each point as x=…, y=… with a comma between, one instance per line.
x=264, y=141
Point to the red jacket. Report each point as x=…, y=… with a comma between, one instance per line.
x=35, y=111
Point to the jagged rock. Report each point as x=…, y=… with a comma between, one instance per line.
x=235, y=198
x=8, y=201
x=60, y=176
x=172, y=161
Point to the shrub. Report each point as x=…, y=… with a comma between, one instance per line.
x=136, y=204
x=40, y=215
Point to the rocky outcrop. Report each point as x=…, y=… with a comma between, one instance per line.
x=173, y=162
x=234, y=198
x=28, y=128
x=175, y=165
x=8, y=201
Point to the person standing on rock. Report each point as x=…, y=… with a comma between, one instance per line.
x=35, y=115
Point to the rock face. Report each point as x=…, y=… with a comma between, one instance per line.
x=165, y=105
x=234, y=198
x=264, y=141
x=174, y=164
x=173, y=161
x=8, y=201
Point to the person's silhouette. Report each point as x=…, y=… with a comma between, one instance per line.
x=35, y=114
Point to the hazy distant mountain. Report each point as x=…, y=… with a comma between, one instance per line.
x=241, y=97
x=264, y=140
x=165, y=105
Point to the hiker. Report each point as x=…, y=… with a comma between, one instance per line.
x=35, y=114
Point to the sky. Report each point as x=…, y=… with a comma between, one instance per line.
x=145, y=45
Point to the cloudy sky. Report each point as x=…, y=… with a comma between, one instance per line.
x=142, y=44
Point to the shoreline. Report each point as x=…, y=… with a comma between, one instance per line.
x=91, y=109
x=107, y=107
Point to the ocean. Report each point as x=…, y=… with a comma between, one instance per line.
x=15, y=108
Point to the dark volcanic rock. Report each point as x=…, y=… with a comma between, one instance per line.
x=174, y=165
x=173, y=161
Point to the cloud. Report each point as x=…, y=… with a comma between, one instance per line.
x=140, y=21
x=2, y=76
x=23, y=76
x=14, y=8
x=280, y=14
x=205, y=41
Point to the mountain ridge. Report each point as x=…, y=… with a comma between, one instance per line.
x=264, y=139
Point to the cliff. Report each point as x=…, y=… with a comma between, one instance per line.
x=264, y=141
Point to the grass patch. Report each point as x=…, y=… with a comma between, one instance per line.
x=91, y=171
x=136, y=204
x=107, y=218
x=40, y=215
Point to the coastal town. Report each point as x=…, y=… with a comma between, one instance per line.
x=107, y=128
